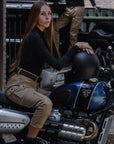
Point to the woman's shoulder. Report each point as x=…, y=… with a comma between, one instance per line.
x=34, y=35
x=35, y=32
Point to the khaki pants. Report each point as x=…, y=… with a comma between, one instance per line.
x=23, y=91
x=75, y=16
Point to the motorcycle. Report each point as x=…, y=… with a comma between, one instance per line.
x=82, y=107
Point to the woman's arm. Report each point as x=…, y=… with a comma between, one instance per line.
x=94, y=4
x=58, y=63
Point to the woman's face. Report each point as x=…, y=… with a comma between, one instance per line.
x=44, y=18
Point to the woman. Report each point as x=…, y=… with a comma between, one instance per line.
x=37, y=48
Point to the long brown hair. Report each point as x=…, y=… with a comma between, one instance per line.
x=32, y=22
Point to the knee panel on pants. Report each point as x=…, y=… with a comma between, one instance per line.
x=45, y=106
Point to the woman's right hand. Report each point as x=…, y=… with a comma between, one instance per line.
x=84, y=46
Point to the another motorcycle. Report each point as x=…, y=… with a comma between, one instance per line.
x=82, y=107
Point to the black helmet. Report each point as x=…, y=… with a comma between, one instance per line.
x=85, y=66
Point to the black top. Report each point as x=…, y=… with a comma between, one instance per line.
x=78, y=2
x=35, y=53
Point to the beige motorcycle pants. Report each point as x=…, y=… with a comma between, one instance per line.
x=24, y=91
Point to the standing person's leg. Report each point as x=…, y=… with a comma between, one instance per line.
x=77, y=18
x=61, y=22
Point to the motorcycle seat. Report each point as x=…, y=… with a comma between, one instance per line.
x=101, y=33
x=6, y=102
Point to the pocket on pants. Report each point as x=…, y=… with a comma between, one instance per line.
x=16, y=93
x=11, y=90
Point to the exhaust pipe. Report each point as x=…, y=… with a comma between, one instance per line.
x=94, y=134
x=77, y=133
x=71, y=135
x=74, y=128
x=87, y=132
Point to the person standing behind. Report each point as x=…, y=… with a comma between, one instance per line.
x=73, y=13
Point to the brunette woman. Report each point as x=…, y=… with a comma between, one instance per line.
x=37, y=48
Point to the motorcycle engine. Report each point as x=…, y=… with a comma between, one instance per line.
x=61, y=126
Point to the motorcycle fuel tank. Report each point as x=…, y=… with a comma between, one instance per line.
x=86, y=95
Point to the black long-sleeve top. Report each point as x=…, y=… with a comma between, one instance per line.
x=35, y=53
x=78, y=2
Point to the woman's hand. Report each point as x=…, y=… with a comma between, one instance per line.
x=96, y=8
x=84, y=46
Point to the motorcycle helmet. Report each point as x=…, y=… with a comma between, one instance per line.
x=85, y=66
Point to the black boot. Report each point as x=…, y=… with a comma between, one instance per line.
x=37, y=140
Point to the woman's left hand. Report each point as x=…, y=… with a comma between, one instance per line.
x=85, y=47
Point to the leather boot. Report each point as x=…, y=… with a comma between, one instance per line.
x=37, y=140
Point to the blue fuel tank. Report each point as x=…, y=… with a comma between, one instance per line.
x=85, y=96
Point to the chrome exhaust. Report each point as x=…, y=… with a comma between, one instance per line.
x=77, y=133
x=74, y=128
x=71, y=135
